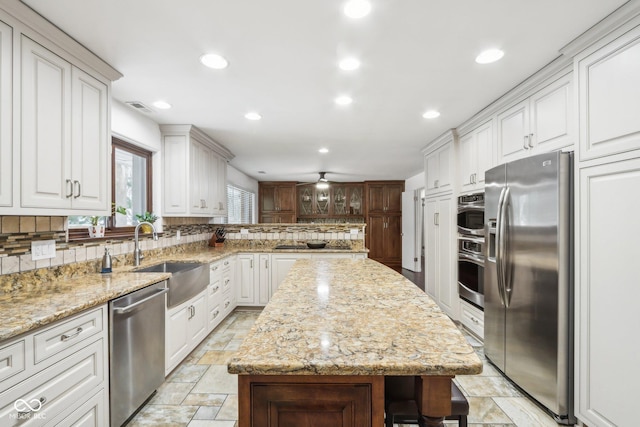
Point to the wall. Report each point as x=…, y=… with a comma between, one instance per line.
x=245, y=182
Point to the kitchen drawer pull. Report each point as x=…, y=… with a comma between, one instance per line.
x=215, y=313
x=226, y=281
x=226, y=304
x=25, y=408
x=530, y=140
x=215, y=289
x=65, y=337
x=226, y=263
x=214, y=268
x=525, y=145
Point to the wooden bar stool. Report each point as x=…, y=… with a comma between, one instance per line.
x=401, y=408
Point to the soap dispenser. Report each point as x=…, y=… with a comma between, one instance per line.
x=106, y=261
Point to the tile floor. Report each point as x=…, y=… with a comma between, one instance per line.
x=200, y=392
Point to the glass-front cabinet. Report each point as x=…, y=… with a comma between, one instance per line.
x=339, y=200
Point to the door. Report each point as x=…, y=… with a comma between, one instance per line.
x=412, y=230
x=532, y=213
x=494, y=316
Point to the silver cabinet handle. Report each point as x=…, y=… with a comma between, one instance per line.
x=65, y=337
x=75, y=196
x=142, y=301
x=69, y=188
x=474, y=320
x=215, y=313
x=226, y=281
x=226, y=263
x=266, y=264
x=226, y=304
x=530, y=140
x=525, y=145
x=436, y=183
x=436, y=218
x=214, y=268
x=215, y=289
x=251, y=266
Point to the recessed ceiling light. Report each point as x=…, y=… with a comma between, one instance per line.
x=215, y=61
x=356, y=9
x=343, y=100
x=431, y=114
x=349, y=64
x=252, y=115
x=162, y=105
x=490, y=55
x=323, y=150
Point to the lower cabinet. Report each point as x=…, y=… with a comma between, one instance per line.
x=53, y=370
x=472, y=318
x=186, y=326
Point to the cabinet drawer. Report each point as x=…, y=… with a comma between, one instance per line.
x=215, y=314
x=214, y=291
x=472, y=318
x=227, y=305
x=226, y=282
x=91, y=413
x=67, y=334
x=57, y=388
x=215, y=271
x=12, y=359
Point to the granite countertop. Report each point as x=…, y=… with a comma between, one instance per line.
x=352, y=317
x=38, y=304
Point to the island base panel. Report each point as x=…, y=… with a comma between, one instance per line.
x=310, y=401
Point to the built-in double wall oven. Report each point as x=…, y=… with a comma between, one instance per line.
x=471, y=248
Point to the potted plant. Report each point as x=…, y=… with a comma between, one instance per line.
x=95, y=229
x=146, y=217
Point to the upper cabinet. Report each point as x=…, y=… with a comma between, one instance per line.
x=6, y=116
x=438, y=163
x=195, y=173
x=277, y=202
x=64, y=135
x=475, y=156
x=339, y=200
x=384, y=197
x=540, y=123
x=609, y=97
x=54, y=120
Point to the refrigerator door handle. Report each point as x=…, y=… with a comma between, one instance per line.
x=500, y=248
x=507, y=282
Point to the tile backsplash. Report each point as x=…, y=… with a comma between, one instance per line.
x=17, y=233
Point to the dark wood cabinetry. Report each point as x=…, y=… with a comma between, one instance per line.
x=277, y=202
x=311, y=401
x=340, y=200
x=384, y=221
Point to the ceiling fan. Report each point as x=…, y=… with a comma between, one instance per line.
x=322, y=183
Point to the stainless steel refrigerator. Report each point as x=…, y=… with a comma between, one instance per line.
x=528, y=277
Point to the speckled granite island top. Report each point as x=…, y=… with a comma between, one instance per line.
x=352, y=317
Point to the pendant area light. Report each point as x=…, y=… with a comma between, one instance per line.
x=323, y=183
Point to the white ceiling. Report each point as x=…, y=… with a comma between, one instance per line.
x=416, y=55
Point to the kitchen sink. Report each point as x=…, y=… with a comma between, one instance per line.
x=187, y=279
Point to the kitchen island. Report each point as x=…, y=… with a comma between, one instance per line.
x=319, y=352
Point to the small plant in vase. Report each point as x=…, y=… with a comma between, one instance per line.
x=96, y=230
x=146, y=217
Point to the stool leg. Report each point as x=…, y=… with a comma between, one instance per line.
x=388, y=422
x=462, y=421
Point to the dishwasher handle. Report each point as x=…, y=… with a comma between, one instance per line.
x=130, y=307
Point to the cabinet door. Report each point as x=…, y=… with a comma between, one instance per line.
x=393, y=239
x=447, y=290
x=267, y=198
x=513, y=132
x=355, y=200
x=196, y=183
x=431, y=248
x=609, y=97
x=375, y=198
x=467, y=161
x=280, y=266
x=484, y=153
x=264, y=282
x=375, y=234
x=393, y=197
x=221, y=185
x=305, y=200
x=6, y=109
x=286, y=198
x=197, y=328
x=608, y=293
x=174, y=154
x=551, y=117
x=438, y=170
x=46, y=180
x=245, y=279
x=90, y=158
x=177, y=338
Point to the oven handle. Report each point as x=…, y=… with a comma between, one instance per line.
x=471, y=258
x=471, y=232
x=470, y=208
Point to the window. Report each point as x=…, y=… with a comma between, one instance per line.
x=240, y=205
x=130, y=182
x=130, y=191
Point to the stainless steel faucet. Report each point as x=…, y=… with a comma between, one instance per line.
x=137, y=252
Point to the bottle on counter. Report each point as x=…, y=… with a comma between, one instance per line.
x=106, y=261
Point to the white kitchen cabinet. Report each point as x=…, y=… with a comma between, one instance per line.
x=264, y=279
x=64, y=136
x=6, y=116
x=185, y=326
x=607, y=293
x=194, y=173
x=59, y=365
x=280, y=266
x=541, y=123
x=439, y=169
x=440, y=253
x=609, y=97
x=472, y=318
x=246, y=278
x=214, y=296
x=475, y=156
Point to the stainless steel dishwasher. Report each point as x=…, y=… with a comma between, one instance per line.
x=136, y=349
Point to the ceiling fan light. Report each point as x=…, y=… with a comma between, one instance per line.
x=322, y=185
x=356, y=9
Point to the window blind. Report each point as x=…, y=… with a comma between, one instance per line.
x=239, y=205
